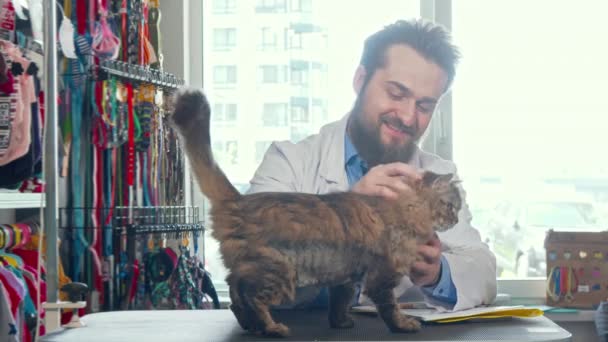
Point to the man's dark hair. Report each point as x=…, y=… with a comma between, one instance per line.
x=432, y=41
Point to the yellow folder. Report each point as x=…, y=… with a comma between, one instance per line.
x=478, y=313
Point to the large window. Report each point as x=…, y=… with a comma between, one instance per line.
x=529, y=120
x=309, y=49
x=527, y=112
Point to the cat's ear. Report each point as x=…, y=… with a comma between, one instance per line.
x=431, y=178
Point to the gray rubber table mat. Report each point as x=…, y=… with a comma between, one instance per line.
x=220, y=325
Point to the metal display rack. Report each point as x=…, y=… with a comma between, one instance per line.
x=51, y=218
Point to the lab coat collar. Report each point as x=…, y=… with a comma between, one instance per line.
x=331, y=167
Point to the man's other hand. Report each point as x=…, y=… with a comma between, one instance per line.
x=386, y=180
x=426, y=270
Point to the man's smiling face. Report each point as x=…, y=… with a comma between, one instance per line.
x=394, y=107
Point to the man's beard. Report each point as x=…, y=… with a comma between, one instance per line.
x=367, y=139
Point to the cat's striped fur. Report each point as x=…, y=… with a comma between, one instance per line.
x=272, y=243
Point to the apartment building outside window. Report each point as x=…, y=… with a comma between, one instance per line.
x=224, y=113
x=274, y=115
x=224, y=74
x=270, y=6
x=224, y=6
x=224, y=38
x=268, y=39
x=273, y=73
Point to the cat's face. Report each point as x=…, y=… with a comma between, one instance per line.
x=445, y=200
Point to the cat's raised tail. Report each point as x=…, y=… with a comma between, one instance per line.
x=191, y=117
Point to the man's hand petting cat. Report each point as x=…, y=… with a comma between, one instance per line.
x=386, y=180
x=426, y=270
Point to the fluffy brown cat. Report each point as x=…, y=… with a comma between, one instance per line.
x=272, y=243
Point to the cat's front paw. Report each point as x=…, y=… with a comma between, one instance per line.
x=405, y=324
x=345, y=322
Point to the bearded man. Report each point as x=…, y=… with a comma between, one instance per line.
x=405, y=70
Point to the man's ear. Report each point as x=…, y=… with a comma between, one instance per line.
x=359, y=78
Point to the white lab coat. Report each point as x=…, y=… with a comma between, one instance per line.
x=316, y=165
